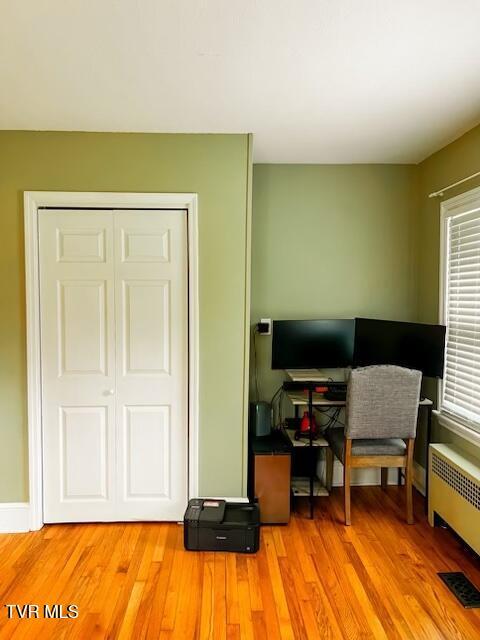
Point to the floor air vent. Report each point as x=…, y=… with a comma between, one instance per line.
x=461, y=587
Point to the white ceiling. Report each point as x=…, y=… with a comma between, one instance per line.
x=315, y=80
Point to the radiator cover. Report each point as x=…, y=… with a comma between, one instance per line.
x=454, y=491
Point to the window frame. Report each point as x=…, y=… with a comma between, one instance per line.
x=457, y=205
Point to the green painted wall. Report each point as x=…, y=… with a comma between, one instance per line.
x=327, y=241
x=346, y=240
x=330, y=241
x=217, y=167
x=457, y=160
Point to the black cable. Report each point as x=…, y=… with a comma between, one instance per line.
x=272, y=403
x=255, y=331
x=276, y=394
x=332, y=419
x=279, y=394
x=280, y=405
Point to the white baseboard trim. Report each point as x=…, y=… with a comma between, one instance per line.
x=371, y=477
x=360, y=477
x=419, y=475
x=14, y=517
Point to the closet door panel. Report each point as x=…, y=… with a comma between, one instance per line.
x=152, y=362
x=78, y=365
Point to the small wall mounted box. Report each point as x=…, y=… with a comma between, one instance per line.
x=217, y=525
x=265, y=327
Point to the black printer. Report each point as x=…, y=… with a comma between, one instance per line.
x=217, y=525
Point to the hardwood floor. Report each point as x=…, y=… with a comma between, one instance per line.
x=311, y=579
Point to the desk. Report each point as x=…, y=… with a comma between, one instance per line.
x=313, y=400
x=300, y=485
x=299, y=399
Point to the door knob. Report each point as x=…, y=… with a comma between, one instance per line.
x=109, y=392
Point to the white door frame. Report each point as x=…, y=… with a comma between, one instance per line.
x=33, y=200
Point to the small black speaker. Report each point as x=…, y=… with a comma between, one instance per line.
x=260, y=419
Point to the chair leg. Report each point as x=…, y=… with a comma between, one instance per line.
x=384, y=477
x=346, y=479
x=409, y=481
x=328, y=468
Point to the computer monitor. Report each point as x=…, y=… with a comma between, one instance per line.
x=406, y=344
x=312, y=344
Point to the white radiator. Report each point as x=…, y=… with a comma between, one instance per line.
x=454, y=491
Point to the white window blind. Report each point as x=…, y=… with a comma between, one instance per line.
x=461, y=383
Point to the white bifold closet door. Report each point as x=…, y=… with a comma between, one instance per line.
x=114, y=350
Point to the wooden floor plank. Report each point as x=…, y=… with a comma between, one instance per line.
x=310, y=580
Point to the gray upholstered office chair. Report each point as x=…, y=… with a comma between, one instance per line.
x=380, y=426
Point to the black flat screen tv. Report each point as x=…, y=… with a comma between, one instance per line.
x=406, y=344
x=312, y=344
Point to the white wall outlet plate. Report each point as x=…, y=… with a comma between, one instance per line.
x=269, y=330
